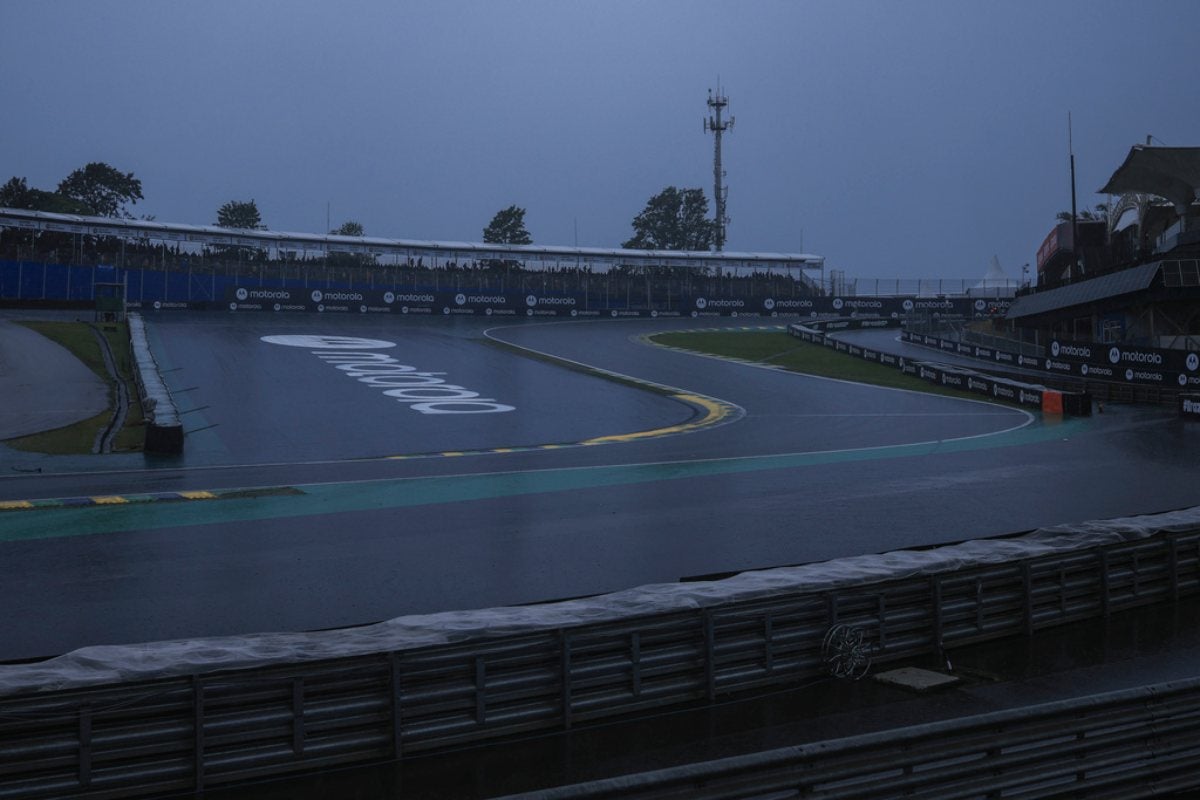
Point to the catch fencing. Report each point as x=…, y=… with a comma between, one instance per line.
x=203, y=730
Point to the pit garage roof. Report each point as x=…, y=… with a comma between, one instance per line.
x=1076, y=294
x=1170, y=172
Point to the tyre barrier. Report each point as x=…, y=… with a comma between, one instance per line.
x=1047, y=400
x=164, y=430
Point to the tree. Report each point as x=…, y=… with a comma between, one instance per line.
x=17, y=194
x=14, y=194
x=507, y=227
x=103, y=189
x=348, y=228
x=1100, y=212
x=674, y=219
x=239, y=214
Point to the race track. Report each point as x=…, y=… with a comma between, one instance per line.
x=373, y=510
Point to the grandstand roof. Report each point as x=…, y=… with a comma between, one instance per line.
x=1170, y=172
x=1115, y=284
x=212, y=235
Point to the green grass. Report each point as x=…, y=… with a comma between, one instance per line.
x=784, y=350
x=79, y=437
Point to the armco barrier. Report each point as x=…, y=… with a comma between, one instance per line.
x=197, y=731
x=164, y=430
x=1123, y=745
x=1051, y=401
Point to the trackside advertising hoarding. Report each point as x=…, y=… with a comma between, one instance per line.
x=397, y=301
x=1189, y=406
x=959, y=378
x=1096, y=361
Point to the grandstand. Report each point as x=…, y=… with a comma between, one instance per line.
x=189, y=262
x=1134, y=276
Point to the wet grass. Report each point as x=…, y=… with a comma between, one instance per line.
x=786, y=351
x=78, y=438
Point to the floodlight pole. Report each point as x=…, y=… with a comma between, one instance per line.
x=715, y=124
x=1076, y=248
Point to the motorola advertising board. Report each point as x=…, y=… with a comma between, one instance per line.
x=447, y=303
x=165, y=305
x=852, y=307
x=1094, y=361
x=1189, y=406
x=1122, y=362
x=953, y=377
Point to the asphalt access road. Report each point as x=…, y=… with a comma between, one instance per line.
x=45, y=386
x=808, y=469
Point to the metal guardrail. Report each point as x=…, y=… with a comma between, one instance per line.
x=1003, y=343
x=1134, y=743
x=188, y=733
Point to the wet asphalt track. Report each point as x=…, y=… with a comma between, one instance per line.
x=808, y=469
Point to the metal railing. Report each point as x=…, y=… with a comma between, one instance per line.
x=1134, y=743
x=192, y=732
x=1181, y=273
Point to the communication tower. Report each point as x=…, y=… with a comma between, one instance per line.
x=714, y=123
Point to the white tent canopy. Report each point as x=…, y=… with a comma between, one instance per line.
x=995, y=282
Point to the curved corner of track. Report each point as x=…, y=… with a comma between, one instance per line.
x=707, y=412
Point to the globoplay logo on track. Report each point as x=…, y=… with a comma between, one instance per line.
x=423, y=392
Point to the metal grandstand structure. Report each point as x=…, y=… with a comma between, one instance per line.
x=280, y=243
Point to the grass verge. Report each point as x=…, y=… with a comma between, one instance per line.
x=78, y=438
x=786, y=351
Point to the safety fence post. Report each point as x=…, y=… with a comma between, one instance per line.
x=397, y=706
x=85, y=744
x=198, y=731
x=710, y=667
x=1027, y=582
x=298, y=716
x=564, y=649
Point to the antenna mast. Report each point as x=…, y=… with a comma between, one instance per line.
x=715, y=124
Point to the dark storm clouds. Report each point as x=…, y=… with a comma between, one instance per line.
x=897, y=139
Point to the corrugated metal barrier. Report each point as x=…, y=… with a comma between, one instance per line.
x=187, y=733
x=1134, y=743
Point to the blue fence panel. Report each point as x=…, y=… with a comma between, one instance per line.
x=200, y=288
x=79, y=283
x=54, y=282
x=9, y=272
x=176, y=286
x=32, y=276
x=133, y=284
x=154, y=284
x=224, y=283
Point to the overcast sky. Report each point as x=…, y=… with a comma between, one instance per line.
x=898, y=139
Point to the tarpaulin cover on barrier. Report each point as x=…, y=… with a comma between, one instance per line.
x=114, y=663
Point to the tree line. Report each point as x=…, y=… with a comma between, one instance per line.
x=673, y=219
